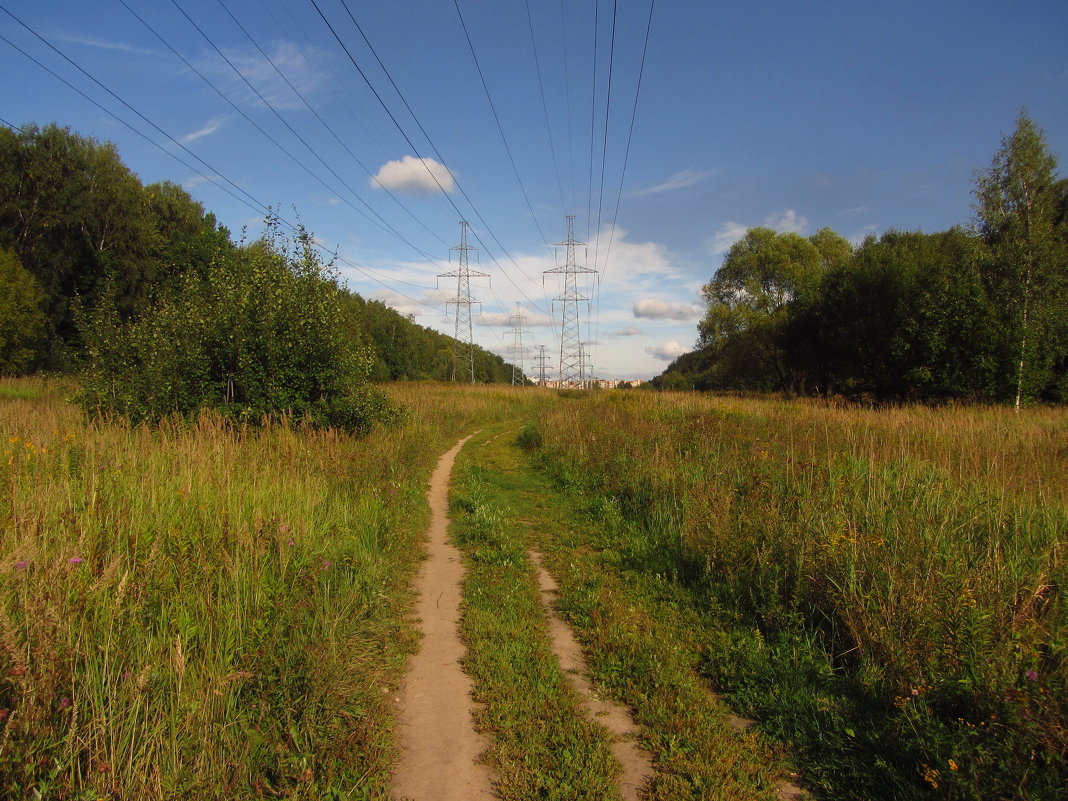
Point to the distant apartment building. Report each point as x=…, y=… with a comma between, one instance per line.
x=599, y=383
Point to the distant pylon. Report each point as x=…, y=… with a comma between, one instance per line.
x=463, y=363
x=571, y=359
x=542, y=359
x=517, y=320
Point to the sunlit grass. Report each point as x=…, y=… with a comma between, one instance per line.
x=922, y=548
x=210, y=611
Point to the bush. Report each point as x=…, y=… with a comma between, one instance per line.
x=258, y=334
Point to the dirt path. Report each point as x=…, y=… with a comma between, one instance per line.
x=438, y=744
x=636, y=763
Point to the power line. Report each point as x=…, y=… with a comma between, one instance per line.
x=339, y=140
x=383, y=224
x=607, y=115
x=545, y=107
x=630, y=135
x=415, y=150
x=497, y=119
x=250, y=201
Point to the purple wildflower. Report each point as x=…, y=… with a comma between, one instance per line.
x=1032, y=675
x=75, y=560
x=64, y=702
x=326, y=564
x=21, y=564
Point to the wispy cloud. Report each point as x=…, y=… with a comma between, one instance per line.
x=211, y=127
x=667, y=351
x=855, y=211
x=858, y=237
x=103, y=44
x=193, y=181
x=730, y=232
x=302, y=80
x=628, y=331
x=656, y=309
x=680, y=180
x=413, y=176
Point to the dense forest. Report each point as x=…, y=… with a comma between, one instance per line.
x=84, y=245
x=977, y=313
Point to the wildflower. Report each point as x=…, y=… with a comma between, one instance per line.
x=326, y=564
x=291, y=542
x=915, y=691
x=64, y=702
x=22, y=564
x=282, y=529
x=1031, y=674
x=75, y=560
x=953, y=765
x=930, y=775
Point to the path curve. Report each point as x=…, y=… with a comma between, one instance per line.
x=439, y=748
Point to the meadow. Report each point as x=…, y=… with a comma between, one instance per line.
x=211, y=610
x=882, y=588
x=206, y=610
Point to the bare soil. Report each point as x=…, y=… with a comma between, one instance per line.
x=637, y=764
x=439, y=748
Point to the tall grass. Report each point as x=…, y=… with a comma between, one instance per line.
x=209, y=611
x=922, y=550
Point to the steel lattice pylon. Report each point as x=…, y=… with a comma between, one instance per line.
x=463, y=364
x=571, y=357
x=517, y=320
x=542, y=359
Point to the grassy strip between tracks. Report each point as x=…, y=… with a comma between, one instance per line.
x=642, y=649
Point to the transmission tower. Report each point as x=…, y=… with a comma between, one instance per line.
x=571, y=359
x=517, y=320
x=463, y=363
x=543, y=360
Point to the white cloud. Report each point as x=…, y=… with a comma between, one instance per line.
x=211, y=127
x=406, y=304
x=414, y=176
x=789, y=222
x=628, y=331
x=656, y=309
x=728, y=234
x=680, y=180
x=629, y=265
x=533, y=319
x=667, y=351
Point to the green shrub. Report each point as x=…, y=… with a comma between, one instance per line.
x=258, y=334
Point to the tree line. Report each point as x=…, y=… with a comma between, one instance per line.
x=144, y=294
x=977, y=313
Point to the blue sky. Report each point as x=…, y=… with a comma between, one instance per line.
x=856, y=116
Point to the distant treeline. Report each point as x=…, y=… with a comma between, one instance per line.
x=976, y=314
x=80, y=235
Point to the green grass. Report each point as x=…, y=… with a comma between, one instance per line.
x=884, y=589
x=632, y=635
x=210, y=611
x=542, y=746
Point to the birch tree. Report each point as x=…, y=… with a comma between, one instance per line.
x=1016, y=211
